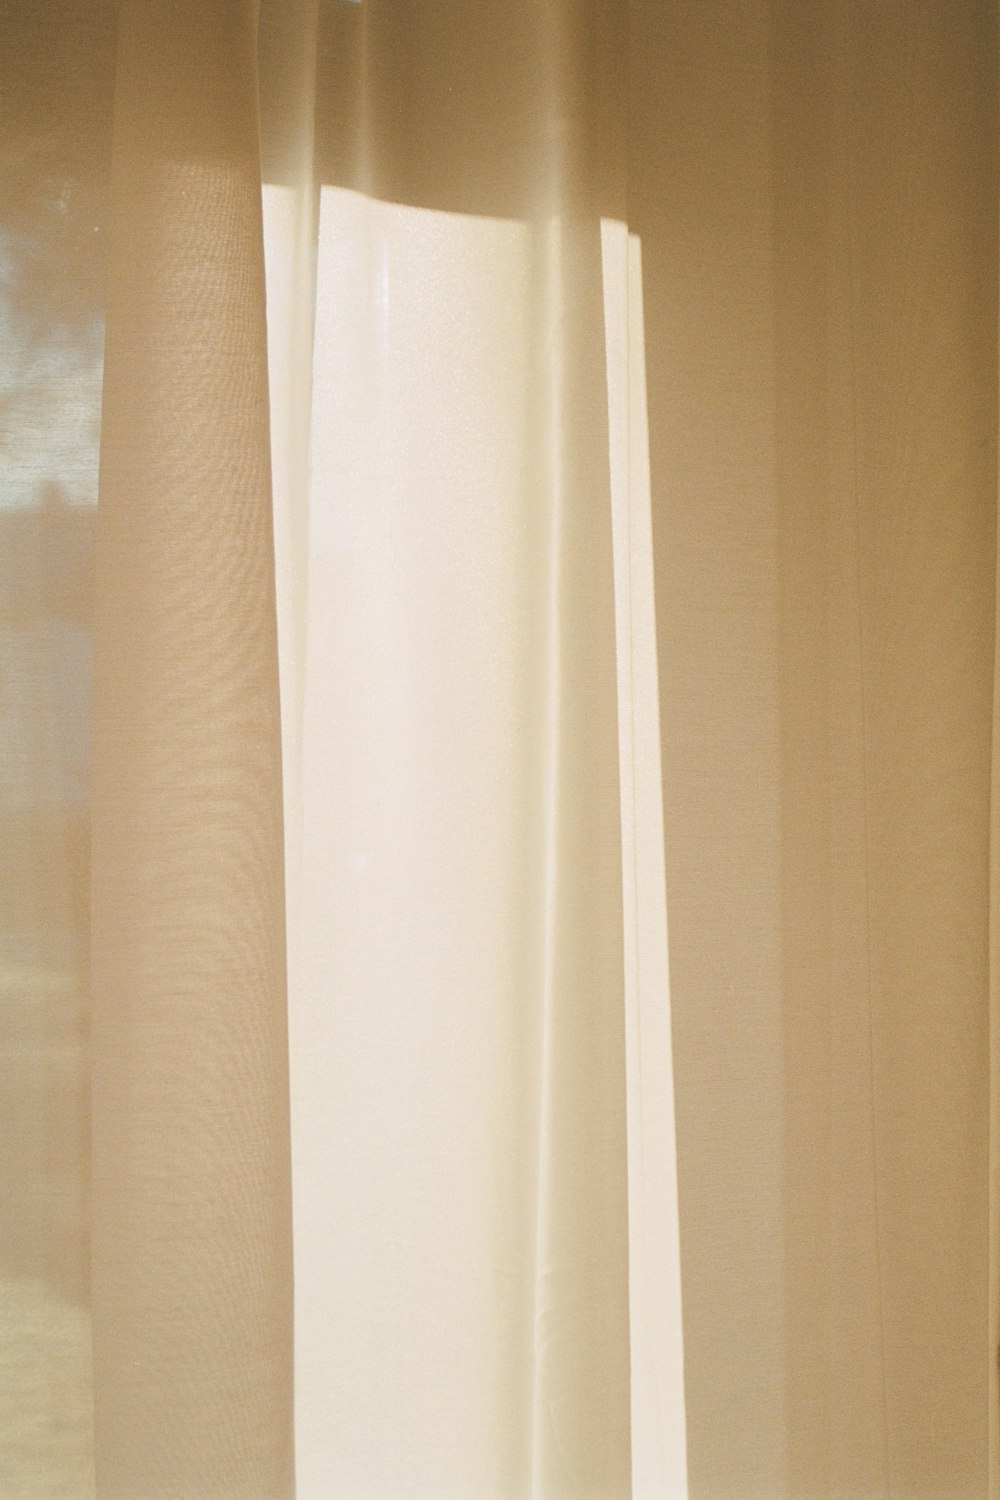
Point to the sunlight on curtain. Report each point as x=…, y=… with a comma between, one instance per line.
x=659, y=1453
x=459, y=1157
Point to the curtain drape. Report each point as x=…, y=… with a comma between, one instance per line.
x=547, y=479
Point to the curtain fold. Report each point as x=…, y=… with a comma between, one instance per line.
x=191, y=1228
x=815, y=189
x=458, y=1024
x=658, y=1438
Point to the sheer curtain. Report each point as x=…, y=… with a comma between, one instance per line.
x=547, y=477
x=461, y=936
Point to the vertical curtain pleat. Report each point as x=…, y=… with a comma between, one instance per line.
x=191, y=1212
x=581, y=1441
x=457, y=1021
x=658, y=1439
x=815, y=190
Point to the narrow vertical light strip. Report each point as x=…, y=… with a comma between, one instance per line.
x=289, y=246
x=659, y=1464
x=551, y=238
x=290, y=211
x=548, y=435
x=291, y=223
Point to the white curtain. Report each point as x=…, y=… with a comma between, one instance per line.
x=467, y=733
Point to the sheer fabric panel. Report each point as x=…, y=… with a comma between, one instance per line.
x=459, y=937
x=587, y=414
x=815, y=189
x=191, y=1230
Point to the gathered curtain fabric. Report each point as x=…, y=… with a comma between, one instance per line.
x=547, y=480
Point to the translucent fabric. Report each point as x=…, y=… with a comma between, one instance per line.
x=547, y=478
x=465, y=951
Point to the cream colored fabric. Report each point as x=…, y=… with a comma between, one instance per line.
x=536, y=684
x=815, y=191
x=191, y=1230
x=458, y=1012
x=659, y=1452
x=457, y=1034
